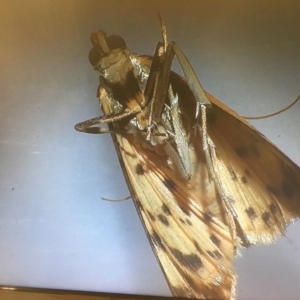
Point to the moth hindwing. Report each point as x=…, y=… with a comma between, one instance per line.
x=195, y=169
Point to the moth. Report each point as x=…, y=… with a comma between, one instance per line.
x=204, y=181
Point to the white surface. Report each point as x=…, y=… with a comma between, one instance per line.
x=55, y=230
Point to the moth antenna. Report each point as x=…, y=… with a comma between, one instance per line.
x=274, y=113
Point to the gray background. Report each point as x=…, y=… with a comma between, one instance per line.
x=55, y=230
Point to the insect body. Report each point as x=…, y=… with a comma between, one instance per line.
x=193, y=166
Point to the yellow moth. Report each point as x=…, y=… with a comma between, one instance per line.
x=204, y=181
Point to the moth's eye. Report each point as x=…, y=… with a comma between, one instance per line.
x=94, y=56
x=109, y=42
x=115, y=42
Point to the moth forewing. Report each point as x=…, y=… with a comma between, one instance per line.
x=202, y=188
x=263, y=182
x=176, y=224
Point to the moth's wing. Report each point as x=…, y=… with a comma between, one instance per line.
x=195, y=253
x=182, y=219
x=261, y=182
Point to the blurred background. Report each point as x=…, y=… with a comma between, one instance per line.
x=55, y=231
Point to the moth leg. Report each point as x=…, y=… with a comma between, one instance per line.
x=180, y=136
x=209, y=152
x=158, y=87
x=152, y=84
x=158, y=83
x=90, y=126
x=166, y=53
x=83, y=126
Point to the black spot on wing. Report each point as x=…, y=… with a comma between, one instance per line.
x=266, y=216
x=217, y=254
x=244, y=180
x=139, y=170
x=209, y=253
x=170, y=184
x=251, y=213
x=214, y=254
x=166, y=209
x=242, y=151
x=163, y=219
x=190, y=261
x=208, y=216
x=197, y=246
x=151, y=216
x=188, y=221
x=232, y=173
x=157, y=240
x=215, y=240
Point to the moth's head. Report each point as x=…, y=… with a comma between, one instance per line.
x=107, y=51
